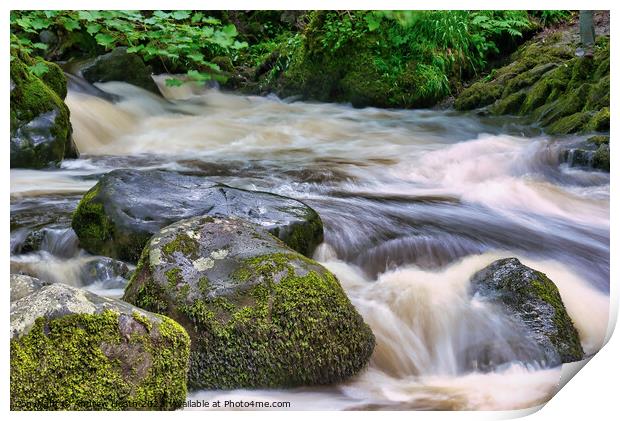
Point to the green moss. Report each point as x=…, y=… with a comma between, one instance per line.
x=536, y=96
x=174, y=276
x=31, y=97
x=183, y=244
x=600, y=159
x=547, y=83
x=599, y=140
x=295, y=327
x=305, y=237
x=565, y=339
x=90, y=222
x=509, y=105
x=600, y=121
x=83, y=362
x=204, y=285
x=571, y=124
x=97, y=231
x=143, y=320
x=478, y=95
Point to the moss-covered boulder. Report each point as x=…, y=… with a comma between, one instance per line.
x=532, y=299
x=548, y=84
x=74, y=350
x=117, y=65
x=40, y=126
x=125, y=208
x=259, y=314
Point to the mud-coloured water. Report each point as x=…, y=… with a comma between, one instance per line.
x=413, y=203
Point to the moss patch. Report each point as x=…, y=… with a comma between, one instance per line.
x=75, y=363
x=549, y=85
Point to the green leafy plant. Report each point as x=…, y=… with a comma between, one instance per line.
x=179, y=40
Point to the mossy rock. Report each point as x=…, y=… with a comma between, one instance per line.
x=40, y=126
x=573, y=123
x=532, y=299
x=547, y=84
x=74, y=350
x=124, y=209
x=600, y=121
x=259, y=314
x=117, y=65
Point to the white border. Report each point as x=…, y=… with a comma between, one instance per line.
x=591, y=395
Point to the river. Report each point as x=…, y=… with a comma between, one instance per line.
x=413, y=202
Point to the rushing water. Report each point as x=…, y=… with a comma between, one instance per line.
x=413, y=203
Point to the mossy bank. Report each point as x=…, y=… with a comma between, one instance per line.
x=549, y=85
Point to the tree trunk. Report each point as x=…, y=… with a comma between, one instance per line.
x=586, y=28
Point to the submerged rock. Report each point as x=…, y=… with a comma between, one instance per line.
x=534, y=300
x=40, y=127
x=125, y=208
x=74, y=350
x=117, y=65
x=259, y=314
x=592, y=153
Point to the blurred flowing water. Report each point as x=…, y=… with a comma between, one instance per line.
x=413, y=202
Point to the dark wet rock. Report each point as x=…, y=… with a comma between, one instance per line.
x=122, y=357
x=82, y=86
x=40, y=127
x=534, y=300
x=23, y=285
x=119, y=214
x=259, y=313
x=592, y=153
x=117, y=65
x=106, y=270
x=61, y=242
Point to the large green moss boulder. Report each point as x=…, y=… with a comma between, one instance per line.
x=532, y=300
x=74, y=350
x=40, y=126
x=260, y=315
x=125, y=208
x=117, y=65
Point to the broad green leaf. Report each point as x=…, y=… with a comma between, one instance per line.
x=230, y=30
x=172, y=82
x=180, y=14
x=105, y=39
x=39, y=69
x=93, y=28
x=197, y=17
x=198, y=76
x=85, y=15
x=40, y=46
x=70, y=24
x=135, y=48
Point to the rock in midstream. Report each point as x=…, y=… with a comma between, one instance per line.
x=260, y=315
x=126, y=207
